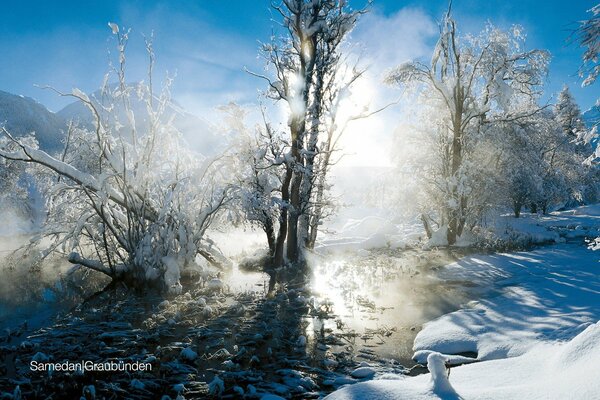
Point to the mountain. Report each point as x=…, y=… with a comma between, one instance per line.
x=592, y=116
x=23, y=115
x=197, y=132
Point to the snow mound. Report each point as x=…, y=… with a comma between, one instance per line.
x=558, y=370
x=541, y=295
x=436, y=364
x=363, y=372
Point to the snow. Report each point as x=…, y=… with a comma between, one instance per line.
x=436, y=364
x=370, y=232
x=113, y=27
x=78, y=93
x=534, y=331
x=301, y=342
x=543, y=294
x=215, y=285
x=363, y=372
x=172, y=274
x=373, y=231
x=439, y=237
x=201, y=301
x=552, y=228
x=554, y=370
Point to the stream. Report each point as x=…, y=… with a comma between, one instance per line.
x=300, y=341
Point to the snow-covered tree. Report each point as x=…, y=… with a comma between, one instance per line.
x=134, y=205
x=568, y=114
x=473, y=82
x=588, y=36
x=554, y=159
x=310, y=74
x=257, y=161
x=14, y=186
x=519, y=170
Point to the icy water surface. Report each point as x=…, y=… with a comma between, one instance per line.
x=302, y=340
x=379, y=301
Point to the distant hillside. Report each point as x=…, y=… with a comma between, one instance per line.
x=23, y=115
x=592, y=116
x=200, y=135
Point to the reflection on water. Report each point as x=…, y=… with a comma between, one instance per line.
x=368, y=306
x=317, y=331
x=241, y=281
x=378, y=302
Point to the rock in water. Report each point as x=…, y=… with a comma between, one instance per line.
x=363, y=372
x=215, y=285
x=301, y=342
x=137, y=384
x=216, y=387
x=188, y=354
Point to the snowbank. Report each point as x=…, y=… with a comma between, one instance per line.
x=371, y=232
x=559, y=370
x=556, y=227
x=546, y=294
x=533, y=335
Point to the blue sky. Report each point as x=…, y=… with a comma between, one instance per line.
x=208, y=42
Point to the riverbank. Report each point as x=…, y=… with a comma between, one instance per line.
x=305, y=340
x=356, y=319
x=536, y=335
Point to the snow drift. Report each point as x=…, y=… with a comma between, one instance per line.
x=559, y=370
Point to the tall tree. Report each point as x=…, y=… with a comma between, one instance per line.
x=568, y=114
x=121, y=202
x=588, y=36
x=478, y=81
x=308, y=75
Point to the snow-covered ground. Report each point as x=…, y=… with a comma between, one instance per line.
x=550, y=370
x=535, y=335
x=548, y=294
x=370, y=228
x=556, y=227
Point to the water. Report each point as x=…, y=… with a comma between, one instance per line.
x=381, y=300
x=352, y=309
x=373, y=304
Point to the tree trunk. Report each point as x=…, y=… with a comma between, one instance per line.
x=295, y=200
x=451, y=234
x=462, y=216
x=517, y=205
x=426, y=226
x=270, y=232
x=283, y=219
x=309, y=180
x=533, y=207
x=456, y=217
